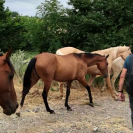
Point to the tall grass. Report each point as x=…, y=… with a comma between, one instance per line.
x=20, y=60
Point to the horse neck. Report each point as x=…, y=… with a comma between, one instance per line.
x=113, y=54
x=121, y=50
x=90, y=61
x=104, y=52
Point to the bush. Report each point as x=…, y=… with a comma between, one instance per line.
x=20, y=61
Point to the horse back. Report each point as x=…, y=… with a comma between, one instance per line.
x=54, y=66
x=57, y=67
x=67, y=66
x=68, y=50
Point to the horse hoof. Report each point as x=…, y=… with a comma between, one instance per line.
x=18, y=114
x=102, y=90
x=116, y=99
x=63, y=98
x=91, y=104
x=116, y=94
x=52, y=112
x=69, y=109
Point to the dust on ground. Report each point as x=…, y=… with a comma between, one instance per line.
x=108, y=116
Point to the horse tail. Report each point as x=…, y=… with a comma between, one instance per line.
x=27, y=79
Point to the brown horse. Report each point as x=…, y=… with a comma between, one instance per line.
x=8, y=99
x=66, y=68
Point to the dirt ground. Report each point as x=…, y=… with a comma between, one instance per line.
x=108, y=116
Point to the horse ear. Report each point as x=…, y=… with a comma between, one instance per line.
x=8, y=54
x=130, y=47
x=107, y=56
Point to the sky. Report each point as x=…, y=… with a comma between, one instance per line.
x=27, y=7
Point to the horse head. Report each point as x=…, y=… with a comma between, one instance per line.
x=102, y=65
x=8, y=98
x=124, y=51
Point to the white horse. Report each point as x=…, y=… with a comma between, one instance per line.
x=117, y=66
x=114, y=52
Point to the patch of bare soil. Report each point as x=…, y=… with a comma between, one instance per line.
x=108, y=116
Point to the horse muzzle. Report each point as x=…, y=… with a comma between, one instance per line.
x=9, y=110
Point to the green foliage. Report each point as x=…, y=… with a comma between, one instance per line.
x=11, y=29
x=20, y=61
x=31, y=26
x=100, y=24
x=52, y=26
x=52, y=89
x=88, y=25
x=1, y=52
x=14, y=14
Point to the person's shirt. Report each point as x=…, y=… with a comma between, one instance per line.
x=128, y=63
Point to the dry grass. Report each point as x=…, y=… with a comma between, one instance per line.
x=108, y=116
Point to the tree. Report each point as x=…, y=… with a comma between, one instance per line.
x=11, y=29
x=14, y=14
x=99, y=24
x=88, y=25
x=52, y=25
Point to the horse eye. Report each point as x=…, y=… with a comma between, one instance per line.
x=11, y=76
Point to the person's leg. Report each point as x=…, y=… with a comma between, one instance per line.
x=131, y=106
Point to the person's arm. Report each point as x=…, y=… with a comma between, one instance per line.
x=121, y=82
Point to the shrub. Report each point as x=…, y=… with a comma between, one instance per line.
x=20, y=61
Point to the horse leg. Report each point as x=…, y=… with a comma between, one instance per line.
x=61, y=90
x=67, y=96
x=45, y=94
x=110, y=88
x=90, y=81
x=83, y=82
x=113, y=79
x=104, y=85
x=104, y=80
x=33, y=80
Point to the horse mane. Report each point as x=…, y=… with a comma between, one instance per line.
x=87, y=55
x=10, y=66
x=115, y=49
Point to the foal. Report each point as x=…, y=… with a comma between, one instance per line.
x=66, y=68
